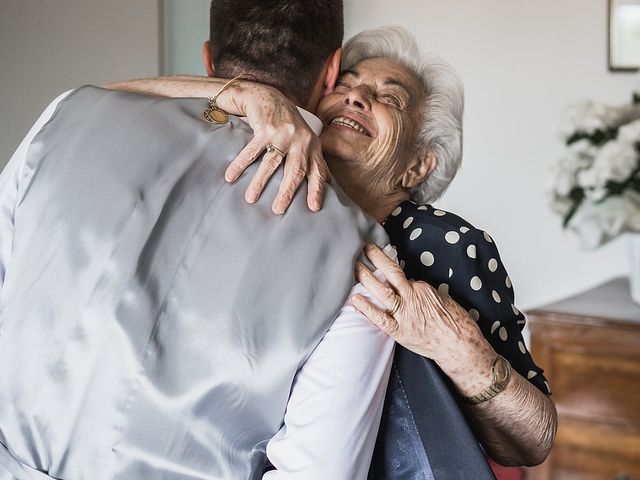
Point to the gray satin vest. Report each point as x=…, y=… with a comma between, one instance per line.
x=152, y=321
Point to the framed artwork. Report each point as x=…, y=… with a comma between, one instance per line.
x=624, y=35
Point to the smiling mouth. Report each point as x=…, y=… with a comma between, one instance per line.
x=349, y=123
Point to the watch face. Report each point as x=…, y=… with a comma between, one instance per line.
x=502, y=371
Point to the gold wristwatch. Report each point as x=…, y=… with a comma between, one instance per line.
x=501, y=371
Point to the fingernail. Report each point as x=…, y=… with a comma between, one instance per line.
x=230, y=176
x=250, y=197
x=278, y=209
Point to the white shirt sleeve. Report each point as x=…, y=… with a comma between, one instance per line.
x=334, y=409
x=9, y=184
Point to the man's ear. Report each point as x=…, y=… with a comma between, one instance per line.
x=207, y=59
x=419, y=169
x=333, y=71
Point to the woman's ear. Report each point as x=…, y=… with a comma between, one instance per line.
x=419, y=169
x=207, y=59
x=333, y=71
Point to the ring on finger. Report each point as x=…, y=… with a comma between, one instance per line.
x=396, y=306
x=271, y=148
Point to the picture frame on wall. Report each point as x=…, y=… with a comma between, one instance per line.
x=624, y=35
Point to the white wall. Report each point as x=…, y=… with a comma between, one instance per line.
x=48, y=47
x=522, y=63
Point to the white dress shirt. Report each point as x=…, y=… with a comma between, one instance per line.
x=333, y=413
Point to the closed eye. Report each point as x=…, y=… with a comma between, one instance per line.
x=391, y=100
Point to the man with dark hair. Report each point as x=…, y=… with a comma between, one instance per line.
x=294, y=36
x=155, y=326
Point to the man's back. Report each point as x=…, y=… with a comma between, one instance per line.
x=166, y=318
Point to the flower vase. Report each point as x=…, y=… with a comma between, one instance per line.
x=634, y=267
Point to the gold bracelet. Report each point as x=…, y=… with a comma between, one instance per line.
x=215, y=114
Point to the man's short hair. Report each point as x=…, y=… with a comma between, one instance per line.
x=284, y=43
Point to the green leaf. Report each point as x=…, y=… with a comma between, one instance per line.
x=577, y=195
x=596, y=138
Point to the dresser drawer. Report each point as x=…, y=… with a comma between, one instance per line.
x=597, y=385
x=589, y=347
x=595, y=451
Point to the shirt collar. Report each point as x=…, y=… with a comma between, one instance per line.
x=313, y=121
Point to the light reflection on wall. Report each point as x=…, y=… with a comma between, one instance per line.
x=186, y=27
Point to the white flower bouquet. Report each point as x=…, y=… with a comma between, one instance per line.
x=596, y=184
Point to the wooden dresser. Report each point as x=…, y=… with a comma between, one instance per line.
x=589, y=346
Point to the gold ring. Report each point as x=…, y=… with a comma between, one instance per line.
x=396, y=306
x=271, y=149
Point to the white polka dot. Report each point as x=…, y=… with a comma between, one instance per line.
x=407, y=222
x=531, y=374
x=515, y=310
x=439, y=213
x=493, y=265
x=471, y=251
x=450, y=273
x=464, y=229
x=522, y=348
x=396, y=212
x=443, y=289
x=487, y=237
x=427, y=259
x=476, y=283
x=503, y=334
x=507, y=282
x=546, y=384
x=495, y=296
x=415, y=234
x=495, y=326
x=423, y=207
x=452, y=237
x=475, y=314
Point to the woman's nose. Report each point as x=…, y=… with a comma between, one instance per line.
x=358, y=98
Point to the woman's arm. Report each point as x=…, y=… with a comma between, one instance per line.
x=275, y=121
x=518, y=425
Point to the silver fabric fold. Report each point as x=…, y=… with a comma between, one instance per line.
x=151, y=321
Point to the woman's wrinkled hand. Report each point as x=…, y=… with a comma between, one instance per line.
x=276, y=121
x=425, y=321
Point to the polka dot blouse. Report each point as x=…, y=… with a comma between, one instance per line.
x=459, y=260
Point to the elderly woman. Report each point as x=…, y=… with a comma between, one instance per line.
x=392, y=139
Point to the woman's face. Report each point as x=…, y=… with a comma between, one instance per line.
x=371, y=121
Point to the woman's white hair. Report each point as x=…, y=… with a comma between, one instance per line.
x=441, y=130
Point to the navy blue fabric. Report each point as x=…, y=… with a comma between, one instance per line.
x=424, y=434
x=400, y=449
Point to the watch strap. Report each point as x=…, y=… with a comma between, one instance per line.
x=497, y=385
